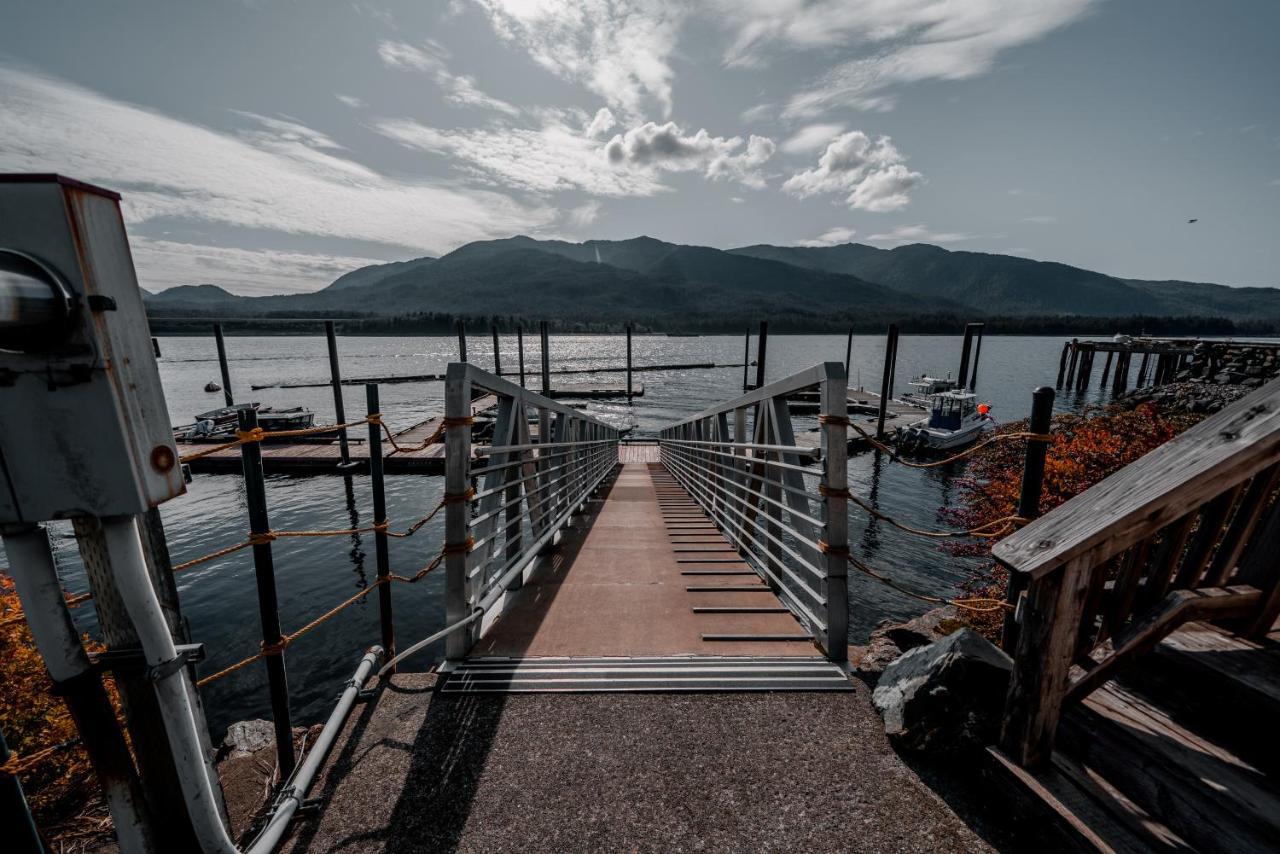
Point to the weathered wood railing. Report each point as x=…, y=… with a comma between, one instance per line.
x=506, y=505
x=1191, y=531
x=782, y=504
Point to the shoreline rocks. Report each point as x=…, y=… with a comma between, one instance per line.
x=889, y=640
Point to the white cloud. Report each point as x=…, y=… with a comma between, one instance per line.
x=758, y=113
x=459, y=89
x=163, y=264
x=888, y=43
x=350, y=100
x=830, y=237
x=871, y=172
x=920, y=234
x=584, y=215
x=811, y=138
x=167, y=167
x=546, y=159
x=666, y=147
x=619, y=49
x=1040, y=219
x=603, y=122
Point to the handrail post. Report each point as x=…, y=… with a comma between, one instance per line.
x=255, y=490
x=457, y=443
x=222, y=365
x=380, y=524
x=339, y=410
x=835, y=515
x=1029, y=501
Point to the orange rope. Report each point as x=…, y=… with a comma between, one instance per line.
x=978, y=605
x=15, y=764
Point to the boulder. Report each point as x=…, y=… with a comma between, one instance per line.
x=247, y=737
x=946, y=696
x=889, y=640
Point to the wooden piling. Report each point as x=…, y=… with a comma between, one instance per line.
x=848, y=354
x=1075, y=357
x=497, y=359
x=761, y=350
x=1062, y=362
x=255, y=490
x=339, y=410
x=1142, y=370
x=546, y=358
x=462, y=342
x=222, y=364
x=1106, y=371
x=1029, y=501
x=520, y=350
x=746, y=362
x=979, y=333
x=380, y=523
x=155, y=347
x=628, y=361
x=886, y=376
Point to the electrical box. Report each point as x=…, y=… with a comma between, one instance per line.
x=84, y=429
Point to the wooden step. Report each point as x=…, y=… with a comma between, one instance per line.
x=1203, y=791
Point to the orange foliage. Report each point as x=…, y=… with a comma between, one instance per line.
x=59, y=786
x=1086, y=448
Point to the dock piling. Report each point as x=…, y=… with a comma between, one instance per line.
x=746, y=362
x=222, y=363
x=980, y=330
x=1029, y=500
x=886, y=377
x=848, y=354
x=520, y=350
x=462, y=342
x=1062, y=362
x=761, y=350
x=255, y=490
x=380, y=524
x=628, y=361
x=497, y=359
x=1142, y=370
x=1106, y=371
x=339, y=410
x=1075, y=358
x=14, y=811
x=546, y=358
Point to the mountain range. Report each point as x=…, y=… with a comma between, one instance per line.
x=659, y=283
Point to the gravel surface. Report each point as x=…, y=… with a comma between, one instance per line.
x=418, y=772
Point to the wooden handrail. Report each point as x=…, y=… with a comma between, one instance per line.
x=1217, y=454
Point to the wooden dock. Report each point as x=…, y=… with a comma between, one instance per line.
x=322, y=455
x=864, y=409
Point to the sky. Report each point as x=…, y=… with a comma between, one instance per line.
x=268, y=146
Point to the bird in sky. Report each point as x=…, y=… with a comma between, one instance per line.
x=1191, y=221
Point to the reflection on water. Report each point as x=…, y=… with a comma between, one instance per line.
x=312, y=574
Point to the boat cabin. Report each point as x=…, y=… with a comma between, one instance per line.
x=949, y=410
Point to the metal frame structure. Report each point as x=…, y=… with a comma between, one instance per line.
x=505, y=506
x=783, y=505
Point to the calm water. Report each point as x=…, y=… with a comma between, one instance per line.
x=218, y=598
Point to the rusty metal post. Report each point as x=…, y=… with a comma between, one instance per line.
x=255, y=491
x=380, y=525
x=222, y=363
x=339, y=410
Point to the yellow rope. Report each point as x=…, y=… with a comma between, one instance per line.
x=257, y=434
x=978, y=605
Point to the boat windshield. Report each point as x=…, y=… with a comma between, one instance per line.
x=949, y=411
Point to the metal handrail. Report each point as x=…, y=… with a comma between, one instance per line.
x=751, y=479
x=516, y=503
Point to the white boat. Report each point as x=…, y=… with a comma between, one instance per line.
x=923, y=387
x=955, y=419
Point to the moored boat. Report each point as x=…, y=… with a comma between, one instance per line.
x=955, y=419
x=923, y=387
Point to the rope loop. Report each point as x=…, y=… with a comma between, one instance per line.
x=830, y=492
x=461, y=548
x=277, y=647
x=828, y=549
x=835, y=420
x=462, y=421
x=263, y=538
x=244, y=437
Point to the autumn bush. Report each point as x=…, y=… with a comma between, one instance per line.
x=1086, y=448
x=62, y=786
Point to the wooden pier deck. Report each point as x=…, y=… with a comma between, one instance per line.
x=864, y=408
x=322, y=455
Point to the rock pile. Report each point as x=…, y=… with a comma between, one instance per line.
x=1188, y=396
x=1228, y=363
x=889, y=640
